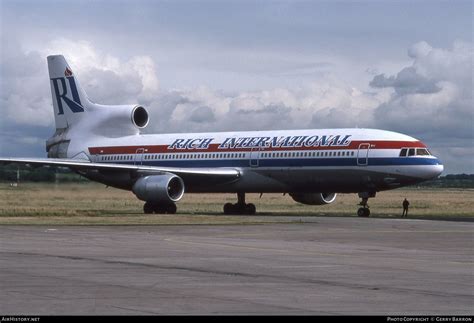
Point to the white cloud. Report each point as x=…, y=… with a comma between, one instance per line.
x=435, y=96
x=26, y=97
x=105, y=78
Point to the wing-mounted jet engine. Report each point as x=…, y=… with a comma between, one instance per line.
x=160, y=192
x=314, y=198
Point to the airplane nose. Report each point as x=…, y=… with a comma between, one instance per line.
x=437, y=170
x=433, y=171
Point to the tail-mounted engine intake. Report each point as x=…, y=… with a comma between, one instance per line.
x=166, y=188
x=140, y=117
x=314, y=198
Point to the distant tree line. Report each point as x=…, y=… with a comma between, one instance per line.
x=10, y=173
x=53, y=174
x=451, y=181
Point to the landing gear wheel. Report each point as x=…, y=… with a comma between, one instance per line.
x=148, y=208
x=151, y=207
x=363, y=212
x=228, y=208
x=159, y=209
x=250, y=209
x=240, y=207
x=171, y=208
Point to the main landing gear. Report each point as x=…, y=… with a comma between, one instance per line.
x=240, y=207
x=364, y=211
x=150, y=207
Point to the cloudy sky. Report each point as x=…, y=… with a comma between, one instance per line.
x=405, y=66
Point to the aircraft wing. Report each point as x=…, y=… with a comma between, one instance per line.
x=223, y=173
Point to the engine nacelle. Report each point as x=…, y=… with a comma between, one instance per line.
x=314, y=198
x=118, y=120
x=166, y=188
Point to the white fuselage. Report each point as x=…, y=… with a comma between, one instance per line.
x=313, y=160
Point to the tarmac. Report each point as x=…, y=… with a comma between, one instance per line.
x=317, y=266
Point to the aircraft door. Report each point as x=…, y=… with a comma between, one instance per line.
x=254, y=155
x=139, y=156
x=363, y=155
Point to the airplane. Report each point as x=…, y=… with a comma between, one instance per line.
x=105, y=143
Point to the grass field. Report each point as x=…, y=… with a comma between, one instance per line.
x=90, y=203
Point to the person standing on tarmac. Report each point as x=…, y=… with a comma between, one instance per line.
x=405, y=208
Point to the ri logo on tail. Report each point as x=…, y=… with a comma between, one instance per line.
x=69, y=98
x=61, y=92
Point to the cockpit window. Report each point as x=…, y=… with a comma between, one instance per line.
x=422, y=152
x=414, y=152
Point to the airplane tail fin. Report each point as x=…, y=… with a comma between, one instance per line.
x=76, y=117
x=70, y=102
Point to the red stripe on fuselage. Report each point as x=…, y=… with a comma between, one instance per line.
x=154, y=149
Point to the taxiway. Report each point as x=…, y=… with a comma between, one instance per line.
x=317, y=265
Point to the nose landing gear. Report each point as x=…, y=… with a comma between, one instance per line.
x=364, y=210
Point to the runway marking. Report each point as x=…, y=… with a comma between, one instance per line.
x=293, y=252
x=255, y=248
x=237, y=235
x=303, y=266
